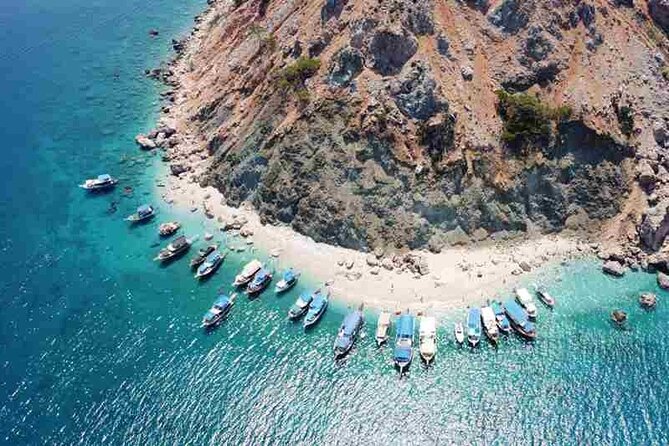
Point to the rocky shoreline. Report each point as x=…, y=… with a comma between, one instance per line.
x=633, y=239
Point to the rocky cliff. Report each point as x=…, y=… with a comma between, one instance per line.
x=429, y=122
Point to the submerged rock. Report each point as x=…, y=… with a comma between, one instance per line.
x=663, y=280
x=144, y=142
x=648, y=300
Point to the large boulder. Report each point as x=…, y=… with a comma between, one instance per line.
x=416, y=92
x=512, y=15
x=144, y=142
x=663, y=280
x=332, y=8
x=613, y=268
x=659, y=11
x=654, y=227
x=390, y=49
x=346, y=65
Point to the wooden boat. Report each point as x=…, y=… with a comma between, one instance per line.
x=490, y=324
x=348, y=332
x=202, y=255
x=169, y=228
x=382, y=328
x=317, y=308
x=502, y=321
x=301, y=305
x=102, y=182
x=545, y=297
x=247, y=273
x=260, y=281
x=474, y=326
x=177, y=248
x=524, y=298
x=218, y=310
x=288, y=280
x=143, y=213
x=520, y=320
x=427, y=338
x=403, y=351
x=459, y=333
x=210, y=265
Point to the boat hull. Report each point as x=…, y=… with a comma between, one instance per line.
x=207, y=273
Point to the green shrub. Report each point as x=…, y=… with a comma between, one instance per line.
x=292, y=78
x=625, y=116
x=526, y=119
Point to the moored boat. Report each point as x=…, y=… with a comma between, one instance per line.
x=317, y=307
x=177, y=248
x=169, y=228
x=474, y=326
x=210, y=265
x=545, y=297
x=524, y=298
x=259, y=281
x=459, y=332
x=403, y=352
x=382, y=328
x=102, y=182
x=144, y=212
x=301, y=305
x=247, y=273
x=490, y=324
x=519, y=319
x=427, y=338
x=202, y=255
x=502, y=321
x=348, y=332
x=288, y=280
x=221, y=307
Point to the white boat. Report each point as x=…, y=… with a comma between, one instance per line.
x=524, y=298
x=427, y=336
x=102, y=182
x=382, y=328
x=545, y=297
x=490, y=324
x=248, y=272
x=459, y=333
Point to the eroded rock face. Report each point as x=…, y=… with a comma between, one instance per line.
x=390, y=49
x=416, y=93
x=346, y=65
x=654, y=227
x=512, y=15
x=659, y=11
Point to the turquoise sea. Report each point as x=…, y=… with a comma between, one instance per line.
x=99, y=345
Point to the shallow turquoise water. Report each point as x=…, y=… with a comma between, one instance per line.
x=98, y=345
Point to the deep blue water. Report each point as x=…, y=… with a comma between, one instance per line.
x=98, y=345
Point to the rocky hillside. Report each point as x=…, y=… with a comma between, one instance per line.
x=429, y=122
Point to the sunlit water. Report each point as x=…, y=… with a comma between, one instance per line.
x=99, y=345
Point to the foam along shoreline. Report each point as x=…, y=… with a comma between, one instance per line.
x=454, y=278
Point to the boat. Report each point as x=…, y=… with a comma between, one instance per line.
x=490, y=324
x=545, y=297
x=259, y=282
x=524, y=298
x=288, y=280
x=102, y=182
x=502, y=321
x=427, y=338
x=382, y=327
x=403, y=352
x=317, y=307
x=144, y=212
x=177, y=248
x=218, y=310
x=348, y=332
x=169, y=228
x=459, y=333
x=211, y=263
x=520, y=319
x=474, y=326
x=301, y=305
x=247, y=273
x=201, y=255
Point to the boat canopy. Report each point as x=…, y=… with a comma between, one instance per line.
x=289, y=275
x=428, y=326
x=318, y=301
x=213, y=257
x=384, y=318
x=222, y=301
x=497, y=308
x=516, y=312
x=524, y=296
x=474, y=318
x=488, y=315
x=405, y=326
x=144, y=209
x=351, y=323
x=251, y=268
x=179, y=241
x=402, y=354
x=262, y=275
x=105, y=177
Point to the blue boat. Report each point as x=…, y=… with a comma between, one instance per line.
x=288, y=281
x=301, y=305
x=519, y=319
x=349, y=330
x=144, y=213
x=218, y=310
x=210, y=265
x=259, y=282
x=317, y=307
x=474, y=326
x=403, y=352
x=502, y=321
